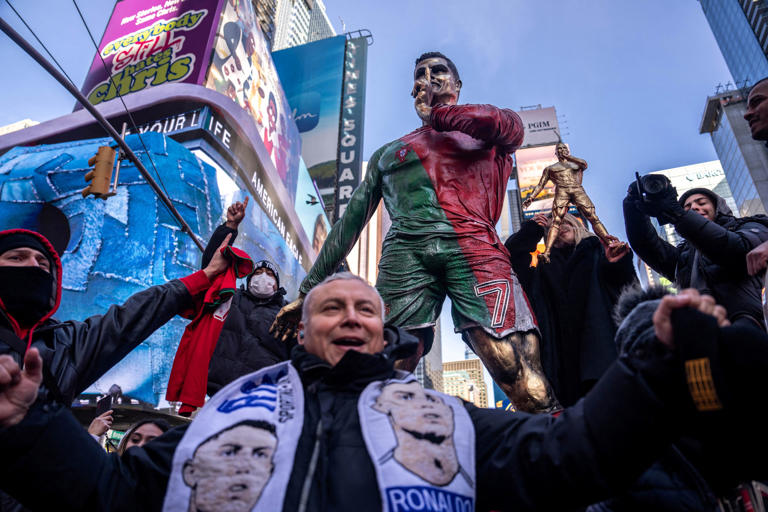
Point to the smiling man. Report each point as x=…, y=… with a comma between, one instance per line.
x=757, y=117
x=352, y=433
x=757, y=110
x=444, y=185
x=341, y=316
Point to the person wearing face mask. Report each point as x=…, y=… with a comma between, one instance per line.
x=77, y=353
x=245, y=344
x=573, y=296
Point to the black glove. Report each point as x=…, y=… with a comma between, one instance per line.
x=663, y=205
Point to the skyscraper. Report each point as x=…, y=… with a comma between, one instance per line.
x=745, y=161
x=266, y=11
x=299, y=22
x=741, y=32
x=465, y=379
x=429, y=371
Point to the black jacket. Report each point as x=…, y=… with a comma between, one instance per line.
x=524, y=462
x=572, y=297
x=245, y=344
x=712, y=257
x=75, y=354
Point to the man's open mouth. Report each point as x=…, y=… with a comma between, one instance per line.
x=349, y=342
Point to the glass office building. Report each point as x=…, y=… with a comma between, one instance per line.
x=745, y=161
x=741, y=30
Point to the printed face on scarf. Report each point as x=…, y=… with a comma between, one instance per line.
x=423, y=425
x=229, y=471
x=415, y=411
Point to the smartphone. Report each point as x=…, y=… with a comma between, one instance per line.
x=103, y=405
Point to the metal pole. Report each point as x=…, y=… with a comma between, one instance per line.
x=16, y=38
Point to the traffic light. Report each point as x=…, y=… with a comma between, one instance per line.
x=101, y=174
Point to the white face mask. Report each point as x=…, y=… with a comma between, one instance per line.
x=262, y=285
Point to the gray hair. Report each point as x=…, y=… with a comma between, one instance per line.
x=336, y=277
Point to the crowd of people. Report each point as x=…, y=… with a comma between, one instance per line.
x=636, y=399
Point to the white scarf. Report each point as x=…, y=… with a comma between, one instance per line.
x=238, y=453
x=422, y=444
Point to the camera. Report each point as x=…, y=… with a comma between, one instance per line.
x=653, y=186
x=654, y=190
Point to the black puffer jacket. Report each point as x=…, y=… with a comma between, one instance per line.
x=712, y=258
x=245, y=344
x=572, y=297
x=523, y=462
x=75, y=354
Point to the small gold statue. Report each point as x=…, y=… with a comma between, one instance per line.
x=567, y=174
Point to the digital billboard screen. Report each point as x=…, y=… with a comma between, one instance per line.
x=148, y=44
x=242, y=69
x=531, y=162
x=312, y=76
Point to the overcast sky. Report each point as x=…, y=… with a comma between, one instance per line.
x=628, y=79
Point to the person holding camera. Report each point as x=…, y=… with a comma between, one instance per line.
x=712, y=256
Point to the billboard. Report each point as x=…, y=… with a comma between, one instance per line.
x=350, y=169
x=242, y=69
x=530, y=164
x=215, y=43
x=147, y=44
x=540, y=126
x=312, y=76
x=309, y=209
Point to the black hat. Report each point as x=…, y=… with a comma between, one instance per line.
x=268, y=265
x=19, y=238
x=703, y=191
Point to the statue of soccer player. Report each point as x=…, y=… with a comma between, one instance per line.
x=567, y=174
x=443, y=185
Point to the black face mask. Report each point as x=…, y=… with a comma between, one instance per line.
x=26, y=293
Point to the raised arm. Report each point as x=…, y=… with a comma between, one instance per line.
x=500, y=127
x=578, y=161
x=235, y=215
x=660, y=255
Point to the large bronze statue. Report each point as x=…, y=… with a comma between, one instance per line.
x=567, y=174
x=443, y=185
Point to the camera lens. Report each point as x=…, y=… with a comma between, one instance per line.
x=654, y=184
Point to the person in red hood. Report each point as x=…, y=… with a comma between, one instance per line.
x=77, y=353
